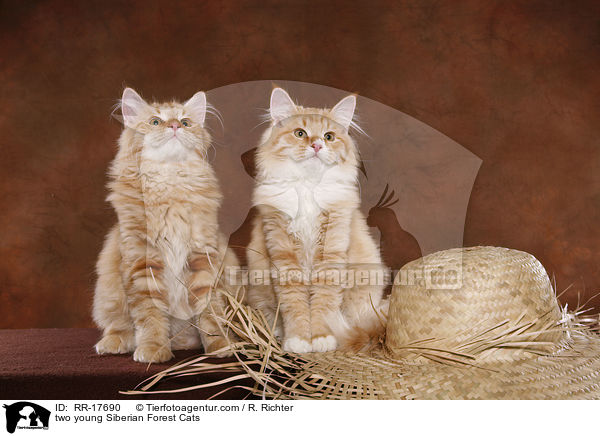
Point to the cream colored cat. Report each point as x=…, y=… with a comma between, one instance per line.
x=309, y=224
x=159, y=263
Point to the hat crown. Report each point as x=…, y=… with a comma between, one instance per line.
x=482, y=301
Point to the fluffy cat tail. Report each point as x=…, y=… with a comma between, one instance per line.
x=362, y=334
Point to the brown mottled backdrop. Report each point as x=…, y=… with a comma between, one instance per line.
x=517, y=83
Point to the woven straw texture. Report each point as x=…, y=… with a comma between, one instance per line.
x=487, y=286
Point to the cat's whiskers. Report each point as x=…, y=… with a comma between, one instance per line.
x=210, y=109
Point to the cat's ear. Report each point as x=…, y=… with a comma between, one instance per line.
x=132, y=107
x=282, y=106
x=343, y=112
x=197, y=107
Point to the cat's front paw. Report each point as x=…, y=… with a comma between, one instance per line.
x=297, y=345
x=150, y=353
x=322, y=344
x=116, y=344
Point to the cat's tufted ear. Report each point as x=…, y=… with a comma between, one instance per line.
x=197, y=107
x=282, y=105
x=343, y=112
x=132, y=107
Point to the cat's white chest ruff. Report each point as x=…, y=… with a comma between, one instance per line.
x=304, y=196
x=305, y=225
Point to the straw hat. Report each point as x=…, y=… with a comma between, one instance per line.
x=466, y=323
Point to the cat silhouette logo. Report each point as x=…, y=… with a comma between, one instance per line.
x=26, y=415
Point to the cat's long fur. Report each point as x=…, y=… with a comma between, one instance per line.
x=159, y=263
x=309, y=221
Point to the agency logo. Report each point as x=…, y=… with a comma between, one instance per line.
x=26, y=415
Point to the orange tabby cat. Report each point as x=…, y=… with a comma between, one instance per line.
x=309, y=231
x=160, y=261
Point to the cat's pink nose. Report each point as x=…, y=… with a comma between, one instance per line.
x=316, y=146
x=175, y=125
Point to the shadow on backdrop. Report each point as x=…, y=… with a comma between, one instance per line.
x=415, y=182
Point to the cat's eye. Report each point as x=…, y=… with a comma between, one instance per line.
x=186, y=122
x=329, y=136
x=299, y=133
x=155, y=121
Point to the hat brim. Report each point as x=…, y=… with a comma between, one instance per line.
x=570, y=373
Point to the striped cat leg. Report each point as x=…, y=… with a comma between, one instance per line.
x=328, y=277
x=325, y=302
x=261, y=294
x=295, y=315
x=293, y=300
x=110, y=301
x=213, y=333
x=292, y=294
x=148, y=305
x=206, y=301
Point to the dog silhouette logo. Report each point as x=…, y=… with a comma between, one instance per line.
x=26, y=415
